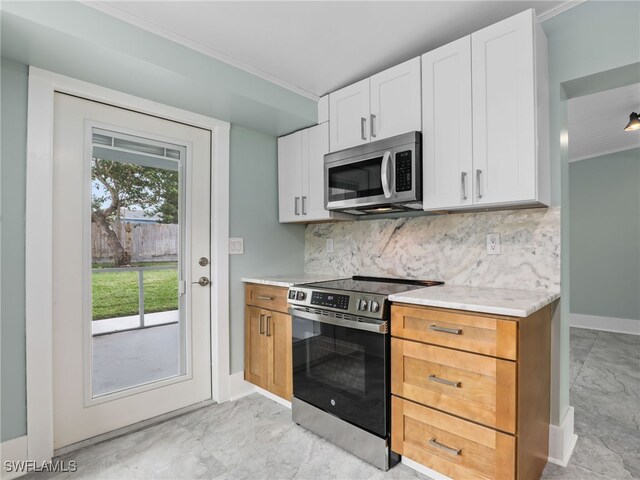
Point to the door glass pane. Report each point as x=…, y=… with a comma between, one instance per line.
x=356, y=180
x=137, y=322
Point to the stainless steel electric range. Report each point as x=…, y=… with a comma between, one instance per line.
x=341, y=362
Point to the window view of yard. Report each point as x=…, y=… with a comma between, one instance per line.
x=115, y=294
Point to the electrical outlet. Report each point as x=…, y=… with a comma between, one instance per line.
x=236, y=246
x=493, y=244
x=329, y=245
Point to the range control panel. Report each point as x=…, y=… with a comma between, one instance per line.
x=359, y=304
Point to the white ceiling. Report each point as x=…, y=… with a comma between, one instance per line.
x=597, y=121
x=314, y=48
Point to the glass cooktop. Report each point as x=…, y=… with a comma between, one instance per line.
x=375, y=285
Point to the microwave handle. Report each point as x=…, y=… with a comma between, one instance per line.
x=385, y=177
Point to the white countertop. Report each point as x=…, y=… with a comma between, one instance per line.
x=288, y=280
x=499, y=301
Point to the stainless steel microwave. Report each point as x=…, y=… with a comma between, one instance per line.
x=379, y=177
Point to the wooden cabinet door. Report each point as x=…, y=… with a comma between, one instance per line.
x=255, y=346
x=349, y=116
x=446, y=135
x=280, y=373
x=504, y=103
x=313, y=182
x=290, y=177
x=395, y=101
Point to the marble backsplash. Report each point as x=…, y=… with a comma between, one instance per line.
x=451, y=248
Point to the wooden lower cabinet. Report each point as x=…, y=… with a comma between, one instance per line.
x=471, y=391
x=267, y=346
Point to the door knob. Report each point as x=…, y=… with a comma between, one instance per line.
x=204, y=261
x=203, y=281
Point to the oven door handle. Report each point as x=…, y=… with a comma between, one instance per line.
x=340, y=322
x=385, y=176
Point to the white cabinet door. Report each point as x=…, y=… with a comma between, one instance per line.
x=503, y=79
x=349, y=116
x=395, y=101
x=446, y=134
x=289, y=175
x=313, y=183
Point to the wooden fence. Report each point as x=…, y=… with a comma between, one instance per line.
x=144, y=241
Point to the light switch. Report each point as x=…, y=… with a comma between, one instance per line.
x=236, y=246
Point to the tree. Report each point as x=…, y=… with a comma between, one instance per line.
x=119, y=185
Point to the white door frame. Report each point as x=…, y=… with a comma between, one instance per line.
x=38, y=246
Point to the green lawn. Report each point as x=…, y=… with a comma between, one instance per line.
x=116, y=294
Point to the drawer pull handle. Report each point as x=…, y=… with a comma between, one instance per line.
x=453, y=451
x=262, y=297
x=262, y=324
x=453, y=331
x=451, y=383
x=268, y=326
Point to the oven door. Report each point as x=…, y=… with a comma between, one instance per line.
x=342, y=370
x=359, y=182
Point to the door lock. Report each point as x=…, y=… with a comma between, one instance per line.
x=204, y=261
x=203, y=281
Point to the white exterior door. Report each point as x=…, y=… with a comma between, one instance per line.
x=503, y=77
x=446, y=136
x=289, y=177
x=349, y=116
x=395, y=101
x=117, y=378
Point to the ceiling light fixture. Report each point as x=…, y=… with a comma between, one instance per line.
x=634, y=123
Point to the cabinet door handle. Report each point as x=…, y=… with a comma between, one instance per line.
x=304, y=205
x=261, y=324
x=444, y=381
x=479, y=182
x=373, y=126
x=463, y=178
x=296, y=207
x=263, y=297
x=268, y=326
x=453, y=331
x=363, y=128
x=452, y=451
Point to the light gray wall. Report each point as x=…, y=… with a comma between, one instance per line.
x=604, y=197
x=270, y=247
x=76, y=40
x=592, y=37
x=13, y=129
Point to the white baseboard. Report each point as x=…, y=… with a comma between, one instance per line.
x=13, y=450
x=275, y=398
x=562, y=440
x=238, y=387
x=418, y=467
x=606, y=324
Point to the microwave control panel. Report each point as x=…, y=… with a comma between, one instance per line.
x=403, y=171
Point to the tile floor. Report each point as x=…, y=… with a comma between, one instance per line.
x=254, y=438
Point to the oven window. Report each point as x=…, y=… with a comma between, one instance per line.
x=355, y=180
x=342, y=371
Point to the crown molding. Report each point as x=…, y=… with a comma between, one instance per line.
x=563, y=7
x=113, y=11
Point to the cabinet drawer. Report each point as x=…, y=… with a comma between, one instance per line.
x=473, y=332
x=449, y=445
x=266, y=296
x=482, y=389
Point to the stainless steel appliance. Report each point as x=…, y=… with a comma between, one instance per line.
x=341, y=362
x=379, y=177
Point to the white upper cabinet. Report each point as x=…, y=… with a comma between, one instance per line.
x=349, y=116
x=289, y=177
x=485, y=114
x=301, y=176
x=446, y=120
x=395, y=101
x=382, y=106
